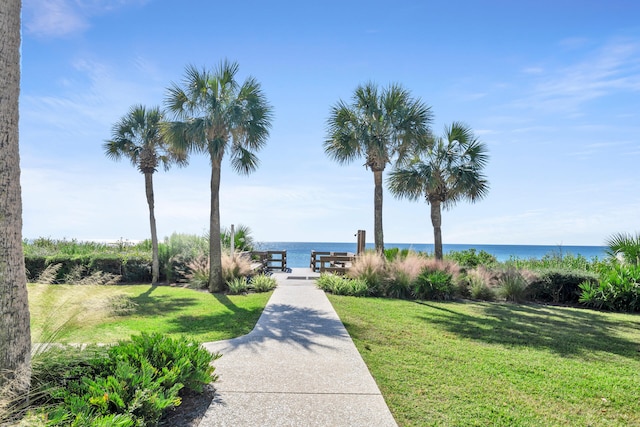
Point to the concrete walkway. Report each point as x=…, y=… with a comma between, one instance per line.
x=298, y=367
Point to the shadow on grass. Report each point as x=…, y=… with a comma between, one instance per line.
x=235, y=320
x=147, y=305
x=563, y=331
x=298, y=326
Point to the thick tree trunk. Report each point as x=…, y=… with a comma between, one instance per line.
x=436, y=220
x=155, y=261
x=216, y=283
x=15, y=334
x=377, y=208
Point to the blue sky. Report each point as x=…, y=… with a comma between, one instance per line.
x=552, y=88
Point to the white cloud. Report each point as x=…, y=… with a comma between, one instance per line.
x=612, y=69
x=59, y=18
x=53, y=18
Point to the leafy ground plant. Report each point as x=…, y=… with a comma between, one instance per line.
x=238, y=286
x=495, y=364
x=130, y=384
x=263, y=283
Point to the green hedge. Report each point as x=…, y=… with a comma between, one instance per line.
x=559, y=285
x=131, y=269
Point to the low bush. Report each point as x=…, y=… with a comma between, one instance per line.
x=238, y=286
x=617, y=290
x=512, y=285
x=403, y=270
x=479, y=284
x=433, y=285
x=198, y=273
x=177, y=251
x=130, y=384
x=370, y=267
x=234, y=267
x=391, y=254
x=70, y=269
x=469, y=258
x=557, y=260
x=559, y=285
x=263, y=283
x=339, y=285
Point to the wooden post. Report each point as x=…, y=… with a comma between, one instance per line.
x=361, y=241
x=233, y=243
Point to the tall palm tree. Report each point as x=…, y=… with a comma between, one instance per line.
x=444, y=174
x=138, y=137
x=215, y=115
x=379, y=125
x=15, y=333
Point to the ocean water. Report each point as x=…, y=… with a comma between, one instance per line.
x=299, y=253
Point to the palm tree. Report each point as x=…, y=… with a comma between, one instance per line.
x=444, y=174
x=137, y=136
x=626, y=245
x=214, y=115
x=15, y=333
x=378, y=125
x=242, y=239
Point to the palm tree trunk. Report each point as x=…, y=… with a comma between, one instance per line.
x=436, y=220
x=15, y=333
x=155, y=262
x=215, y=251
x=377, y=208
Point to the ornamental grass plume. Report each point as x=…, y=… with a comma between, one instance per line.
x=407, y=267
x=370, y=267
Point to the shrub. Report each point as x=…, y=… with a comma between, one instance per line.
x=177, y=251
x=136, y=269
x=327, y=281
x=339, y=285
x=130, y=384
x=35, y=265
x=234, y=267
x=369, y=267
x=434, y=285
x=512, y=285
x=49, y=275
x=559, y=285
x=198, y=273
x=479, y=282
x=189, y=363
x=448, y=266
x=78, y=276
x=469, y=258
x=403, y=271
x=238, y=286
x=394, y=253
x=556, y=260
x=618, y=290
x=263, y=283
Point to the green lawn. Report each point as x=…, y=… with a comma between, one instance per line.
x=491, y=364
x=105, y=314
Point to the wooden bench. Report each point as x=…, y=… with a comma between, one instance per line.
x=334, y=262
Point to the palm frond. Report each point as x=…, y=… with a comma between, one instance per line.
x=625, y=244
x=243, y=161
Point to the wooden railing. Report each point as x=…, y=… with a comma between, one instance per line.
x=271, y=260
x=333, y=262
